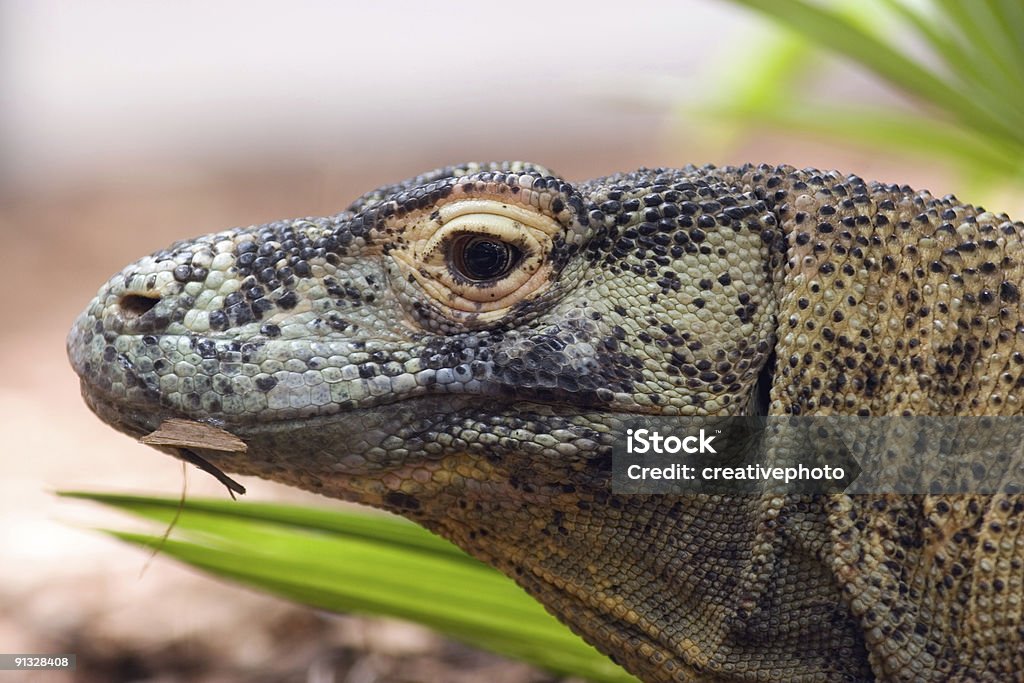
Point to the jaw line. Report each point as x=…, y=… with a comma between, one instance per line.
x=139, y=419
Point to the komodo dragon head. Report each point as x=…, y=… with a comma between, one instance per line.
x=458, y=347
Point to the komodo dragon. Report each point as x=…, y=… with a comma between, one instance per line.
x=454, y=347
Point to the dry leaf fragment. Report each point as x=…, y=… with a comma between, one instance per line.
x=192, y=434
x=184, y=435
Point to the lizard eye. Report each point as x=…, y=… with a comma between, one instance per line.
x=480, y=258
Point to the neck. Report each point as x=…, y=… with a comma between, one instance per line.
x=666, y=582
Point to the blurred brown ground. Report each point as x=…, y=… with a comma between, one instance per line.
x=66, y=588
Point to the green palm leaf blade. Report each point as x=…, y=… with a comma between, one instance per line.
x=982, y=102
x=890, y=130
x=346, y=561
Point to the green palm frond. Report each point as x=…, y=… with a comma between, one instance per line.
x=346, y=561
x=961, y=62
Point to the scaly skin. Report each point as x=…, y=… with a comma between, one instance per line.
x=375, y=356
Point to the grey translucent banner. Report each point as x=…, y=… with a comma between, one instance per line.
x=788, y=455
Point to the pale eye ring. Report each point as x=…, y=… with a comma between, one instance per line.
x=483, y=258
x=478, y=257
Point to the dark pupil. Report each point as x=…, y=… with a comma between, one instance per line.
x=485, y=259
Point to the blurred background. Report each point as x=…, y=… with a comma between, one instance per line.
x=125, y=126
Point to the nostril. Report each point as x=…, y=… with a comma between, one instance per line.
x=136, y=305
